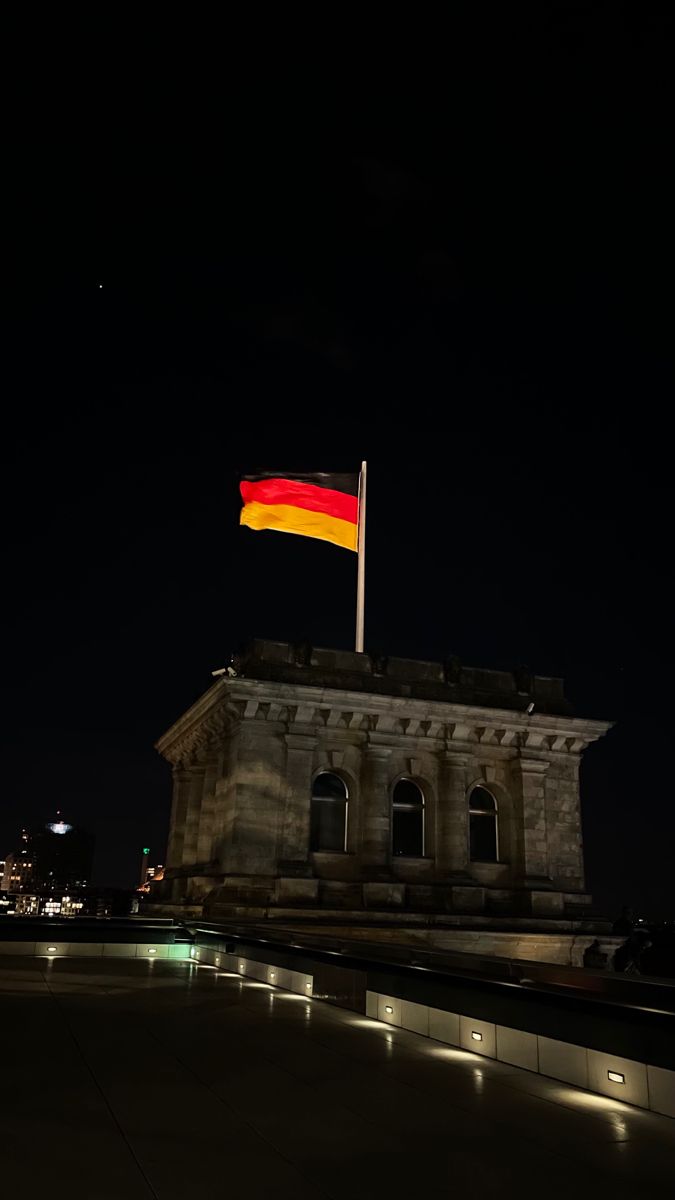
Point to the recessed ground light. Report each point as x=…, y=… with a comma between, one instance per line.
x=241, y=966
x=308, y=985
x=217, y=961
x=616, y=1077
x=272, y=975
x=52, y=950
x=477, y=1037
x=388, y=1008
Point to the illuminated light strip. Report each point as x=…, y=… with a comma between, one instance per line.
x=615, y=1077
x=272, y=973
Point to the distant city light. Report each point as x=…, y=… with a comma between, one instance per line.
x=146, y=849
x=59, y=827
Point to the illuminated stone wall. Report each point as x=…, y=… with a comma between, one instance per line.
x=245, y=755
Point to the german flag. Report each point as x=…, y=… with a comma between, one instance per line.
x=318, y=506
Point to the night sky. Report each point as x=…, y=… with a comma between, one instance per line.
x=469, y=282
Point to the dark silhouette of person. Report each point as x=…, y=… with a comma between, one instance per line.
x=624, y=923
x=594, y=956
x=627, y=959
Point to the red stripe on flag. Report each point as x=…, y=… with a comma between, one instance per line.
x=302, y=495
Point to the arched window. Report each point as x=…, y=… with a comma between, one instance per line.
x=328, y=822
x=408, y=820
x=483, y=840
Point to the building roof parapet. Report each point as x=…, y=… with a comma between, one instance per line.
x=261, y=688
x=288, y=662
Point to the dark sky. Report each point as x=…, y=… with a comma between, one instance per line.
x=466, y=277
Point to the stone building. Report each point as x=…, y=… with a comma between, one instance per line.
x=352, y=787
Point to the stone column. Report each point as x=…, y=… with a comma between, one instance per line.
x=225, y=801
x=531, y=836
x=205, y=835
x=452, y=835
x=563, y=824
x=295, y=831
x=259, y=794
x=376, y=810
x=174, y=852
x=194, y=788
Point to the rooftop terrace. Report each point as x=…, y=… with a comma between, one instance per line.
x=142, y=1078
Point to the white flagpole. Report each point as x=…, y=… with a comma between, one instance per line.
x=361, y=577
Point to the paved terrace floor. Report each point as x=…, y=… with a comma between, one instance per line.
x=125, y=1080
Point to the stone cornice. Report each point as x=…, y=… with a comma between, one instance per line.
x=333, y=713
x=203, y=724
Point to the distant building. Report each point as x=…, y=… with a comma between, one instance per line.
x=144, y=866
x=351, y=785
x=63, y=856
x=19, y=867
x=88, y=902
x=55, y=858
x=52, y=904
x=152, y=875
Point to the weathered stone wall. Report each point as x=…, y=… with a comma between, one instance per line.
x=563, y=812
x=245, y=757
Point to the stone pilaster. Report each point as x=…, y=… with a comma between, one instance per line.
x=207, y=814
x=174, y=852
x=295, y=829
x=193, y=787
x=530, y=776
x=563, y=824
x=376, y=809
x=452, y=836
x=259, y=790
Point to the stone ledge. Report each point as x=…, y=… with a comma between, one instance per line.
x=295, y=890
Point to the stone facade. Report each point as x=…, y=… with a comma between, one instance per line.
x=246, y=755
